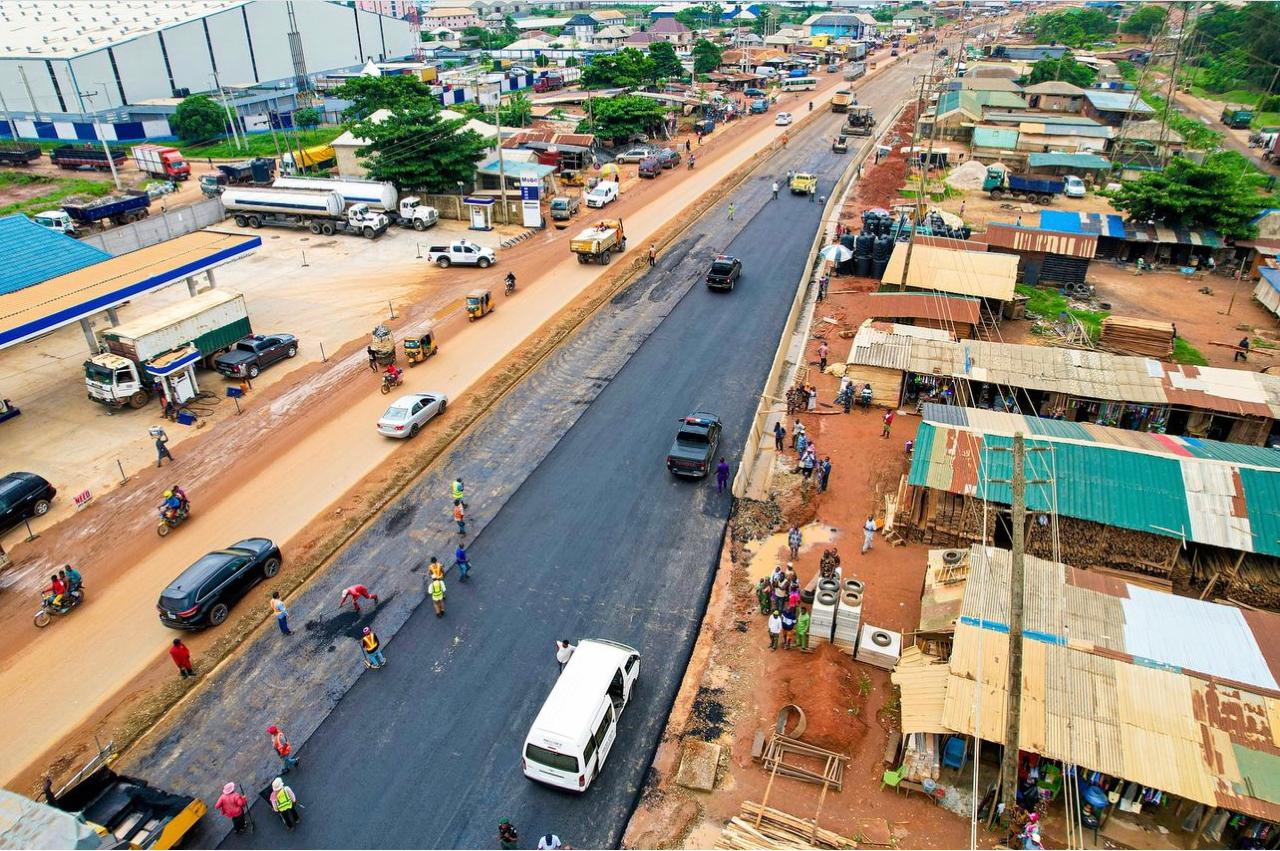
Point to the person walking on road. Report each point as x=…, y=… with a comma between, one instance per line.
x=459, y=517
x=888, y=422
x=564, y=652
x=372, y=649
x=794, y=540
x=868, y=533
x=779, y=436
x=775, y=629
x=461, y=560
x=722, y=475
x=456, y=489
x=162, y=451
x=282, y=613
x=653, y=255
x=373, y=358
x=437, y=589
x=435, y=570
x=233, y=805
x=181, y=657
x=284, y=802
x=356, y=593
x=823, y=351
x=823, y=283
x=283, y=748
x=775, y=190
x=507, y=835
x=731, y=209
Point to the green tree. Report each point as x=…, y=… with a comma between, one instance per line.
x=1066, y=69
x=1250, y=28
x=1146, y=21
x=370, y=94
x=1073, y=27
x=1218, y=195
x=628, y=67
x=666, y=63
x=694, y=17
x=706, y=57
x=517, y=111
x=624, y=116
x=884, y=14
x=416, y=149
x=541, y=60
x=198, y=119
x=307, y=118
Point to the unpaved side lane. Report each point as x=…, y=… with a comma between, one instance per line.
x=598, y=540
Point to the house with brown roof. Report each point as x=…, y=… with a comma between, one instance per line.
x=1054, y=96
x=456, y=18
x=672, y=31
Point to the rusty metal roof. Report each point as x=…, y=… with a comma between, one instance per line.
x=969, y=273
x=1036, y=239
x=926, y=306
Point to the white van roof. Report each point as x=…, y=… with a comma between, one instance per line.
x=566, y=714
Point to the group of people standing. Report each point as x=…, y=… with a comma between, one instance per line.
x=779, y=599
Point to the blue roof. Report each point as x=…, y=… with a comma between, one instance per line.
x=1117, y=102
x=1272, y=277
x=1056, y=158
x=34, y=253
x=516, y=169
x=1110, y=225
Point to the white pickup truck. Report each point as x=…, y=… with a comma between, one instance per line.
x=602, y=194
x=463, y=253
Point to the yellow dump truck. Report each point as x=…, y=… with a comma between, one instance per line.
x=600, y=241
x=803, y=183
x=841, y=99
x=318, y=157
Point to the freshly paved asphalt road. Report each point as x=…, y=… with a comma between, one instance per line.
x=595, y=539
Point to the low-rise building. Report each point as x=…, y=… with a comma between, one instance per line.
x=672, y=31
x=1054, y=96
x=611, y=36
x=456, y=18
x=912, y=19
x=836, y=25
x=1142, y=146
x=1114, y=108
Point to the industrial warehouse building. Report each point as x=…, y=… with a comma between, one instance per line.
x=130, y=63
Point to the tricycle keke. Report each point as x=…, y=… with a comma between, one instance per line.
x=479, y=302
x=418, y=349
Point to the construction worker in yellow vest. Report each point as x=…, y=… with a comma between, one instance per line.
x=455, y=489
x=372, y=649
x=436, y=589
x=284, y=802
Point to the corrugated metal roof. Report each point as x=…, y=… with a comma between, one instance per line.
x=1055, y=158
x=1004, y=138
x=1206, y=501
x=969, y=273
x=922, y=682
x=1117, y=102
x=925, y=306
x=1125, y=695
x=875, y=347
x=1272, y=277
x=1039, y=239
x=34, y=253
x=1054, y=87
x=1043, y=118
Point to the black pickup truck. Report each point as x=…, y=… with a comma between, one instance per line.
x=693, y=451
x=249, y=356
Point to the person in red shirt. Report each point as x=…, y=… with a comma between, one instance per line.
x=56, y=589
x=356, y=592
x=181, y=657
x=233, y=805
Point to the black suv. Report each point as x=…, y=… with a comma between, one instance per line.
x=694, y=448
x=204, y=593
x=23, y=495
x=724, y=272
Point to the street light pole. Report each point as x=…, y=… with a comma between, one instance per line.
x=502, y=170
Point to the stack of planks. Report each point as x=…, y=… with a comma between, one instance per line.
x=1128, y=336
x=776, y=831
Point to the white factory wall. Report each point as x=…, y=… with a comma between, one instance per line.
x=329, y=38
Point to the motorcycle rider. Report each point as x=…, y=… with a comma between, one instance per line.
x=54, y=593
x=691, y=157
x=393, y=375
x=511, y=282
x=74, y=579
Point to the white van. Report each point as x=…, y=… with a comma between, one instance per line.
x=576, y=728
x=604, y=192
x=1075, y=187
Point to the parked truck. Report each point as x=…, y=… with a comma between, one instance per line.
x=317, y=157
x=1236, y=118
x=548, y=83
x=212, y=322
x=861, y=121
x=600, y=242
x=854, y=71
x=321, y=212
x=381, y=196
x=1038, y=190
x=841, y=100
x=160, y=161
x=119, y=208
x=255, y=172
x=81, y=156
x=18, y=153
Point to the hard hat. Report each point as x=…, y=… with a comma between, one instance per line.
x=277, y=785
x=366, y=630
x=228, y=789
x=273, y=729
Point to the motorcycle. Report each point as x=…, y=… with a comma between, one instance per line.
x=389, y=381
x=172, y=518
x=48, y=609
x=511, y=284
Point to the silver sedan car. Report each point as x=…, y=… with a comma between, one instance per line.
x=408, y=414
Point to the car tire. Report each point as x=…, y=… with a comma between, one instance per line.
x=444, y=403
x=483, y=262
x=996, y=195
x=327, y=229
x=414, y=429
x=40, y=508
x=139, y=400
x=253, y=371
x=292, y=352
x=242, y=221
x=314, y=227
x=442, y=262
x=255, y=222
x=370, y=233
x=419, y=225
x=605, y=256
x=271, y=567
x=218, y=614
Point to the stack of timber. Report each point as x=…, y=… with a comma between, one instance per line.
x=776, y=830
x=1128, y=336
x=804, y=759
x=1087, y=544
x=946, y=519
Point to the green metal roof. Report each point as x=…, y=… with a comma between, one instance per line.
x=1091, y=162
x=1004, y=138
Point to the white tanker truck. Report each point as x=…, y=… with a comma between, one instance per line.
x=381, y=196
x=321, y=212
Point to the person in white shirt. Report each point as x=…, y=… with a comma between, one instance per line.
x=549, y=842
x=868, y=533
x=564, y=652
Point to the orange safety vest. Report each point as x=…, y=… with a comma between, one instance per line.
x=281, y=744
x=457, y=512
x=437, y=570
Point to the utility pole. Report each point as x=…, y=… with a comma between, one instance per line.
x=8, y=119
x=502, y=169
x=97, y=130
x=1171, y=91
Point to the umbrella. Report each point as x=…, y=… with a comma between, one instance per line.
x=836, y=253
